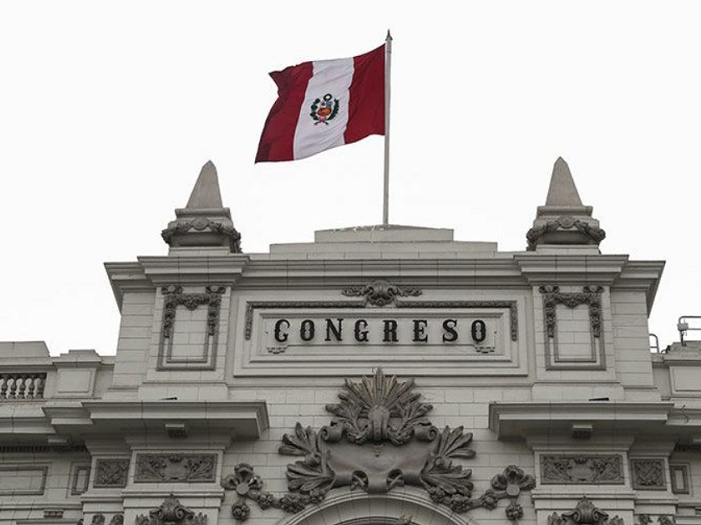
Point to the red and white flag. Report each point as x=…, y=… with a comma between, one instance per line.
x=324, y=104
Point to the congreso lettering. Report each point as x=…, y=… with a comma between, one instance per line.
x=386, y=331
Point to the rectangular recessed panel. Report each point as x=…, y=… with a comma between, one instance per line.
x=454, y=337
x=22, y=480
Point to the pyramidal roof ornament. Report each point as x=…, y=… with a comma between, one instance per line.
x=562, y=191
x=206, y=193
x=204, y=223
x=564, y=220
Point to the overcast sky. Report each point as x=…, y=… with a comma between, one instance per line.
x=109, y=109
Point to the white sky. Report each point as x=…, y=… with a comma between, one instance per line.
x=109, y=109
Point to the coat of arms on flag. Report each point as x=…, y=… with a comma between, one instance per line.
x=323, y=110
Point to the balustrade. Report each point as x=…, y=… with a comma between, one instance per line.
x=22, y=386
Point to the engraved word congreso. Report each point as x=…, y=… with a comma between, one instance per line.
x=386, y=330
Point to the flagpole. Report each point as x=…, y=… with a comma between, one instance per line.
x=388, y=64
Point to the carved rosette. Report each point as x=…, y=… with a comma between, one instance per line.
x=379, y=437
x=171, y=512
x=381, y=293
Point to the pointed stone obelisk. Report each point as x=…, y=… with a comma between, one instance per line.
x=564, y=220
x=204, y=223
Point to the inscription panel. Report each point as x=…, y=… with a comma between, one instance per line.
x=446, y=337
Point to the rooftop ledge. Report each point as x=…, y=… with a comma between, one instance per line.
x=80, y=419
x=520, y=419
x=391, y=238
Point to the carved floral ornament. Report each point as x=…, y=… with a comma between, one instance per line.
x=380, y=292
x=590, y=296
x=379, y=438
x=585, y=513
x=171, y=512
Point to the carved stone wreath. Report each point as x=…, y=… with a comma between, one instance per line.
x=200, y=224
x=588, y=233
x=379, y=437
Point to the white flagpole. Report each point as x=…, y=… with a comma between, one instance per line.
x=388, y=64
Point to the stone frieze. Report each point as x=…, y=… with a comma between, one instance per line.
x=175, y=468
x=578, y=469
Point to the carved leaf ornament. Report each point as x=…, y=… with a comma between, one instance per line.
x=585, y=513
x=379, y=437
x=171, y=512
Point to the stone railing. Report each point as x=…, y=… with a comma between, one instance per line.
x=22, y=386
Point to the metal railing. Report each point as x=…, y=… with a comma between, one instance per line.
x=655, y=343
x=683, y=326
x=22, y=386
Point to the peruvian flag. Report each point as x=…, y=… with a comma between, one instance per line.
x=324, y=104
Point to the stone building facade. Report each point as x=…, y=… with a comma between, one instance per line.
x=385, y=375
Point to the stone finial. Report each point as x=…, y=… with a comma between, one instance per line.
x=204, y=223
x=564, y=220
x=562, y=191
x=206, y=193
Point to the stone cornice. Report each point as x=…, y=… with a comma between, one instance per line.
x=570, y=268
x=194, y=269
x=642, y=275
x=80, y=419
x=147, y=273
x=519, y=419
x=127, y=277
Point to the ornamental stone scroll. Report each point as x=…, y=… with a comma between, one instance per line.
x=379, y=437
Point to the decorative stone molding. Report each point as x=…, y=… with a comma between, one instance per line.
x=117, y=519
x=173, y=297
x=589, y=233
x=381, y=293
x=666, y=520
x=379, y=437
x=81, y=480
x=578, y=469
x=512, y=306
x=679, y=479
x=643, y=519
x=203, y=224
x=175, y=468
x=98, y=519
x=171, y=512
x=111, y=473
x=648, y=474
x=53, y=514
x=585, y=513
x=590, y=296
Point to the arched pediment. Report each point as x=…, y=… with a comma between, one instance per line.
x=403, y=505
